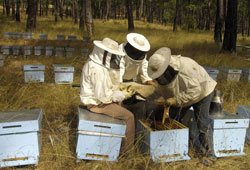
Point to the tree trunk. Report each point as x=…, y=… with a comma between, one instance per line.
x=56, y=10
x=7, y=5
x=32, y=10
x=47, y=7
x=248, y=29
x=13, y=5
x=3, y=7
x=219, y=21
x=130, y=15
x=89, y=19
x=18, y=4
x=137, y=9
x=61, y=5
x=230, y=36
x=208, y=16
x=176, y=15
x=75, y=12
x=108, y=4
x=82, y=15
x=141, y=9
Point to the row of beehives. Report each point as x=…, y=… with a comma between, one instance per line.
x=99, y=137
x=40, y=50
x=16, y=35
x=64, y=74
x=229, y=73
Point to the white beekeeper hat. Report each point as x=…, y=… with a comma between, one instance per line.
x=158, y=62
x=138, y=41
x=110, y=45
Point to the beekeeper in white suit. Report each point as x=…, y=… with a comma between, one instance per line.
x=135, y=62
x=183, y=83
x=100, y=86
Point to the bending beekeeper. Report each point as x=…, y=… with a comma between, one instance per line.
x=100, y=86
x=183, y=83
x=135, y=62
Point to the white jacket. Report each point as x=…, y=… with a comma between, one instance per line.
x=190, y=85
x=96, y=83
x=130, y=68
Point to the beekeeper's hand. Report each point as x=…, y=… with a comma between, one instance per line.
x=151, y=83
x=171, y=101
x=118, y=96
x=128, y=91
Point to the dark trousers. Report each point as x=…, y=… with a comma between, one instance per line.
x=201, y=113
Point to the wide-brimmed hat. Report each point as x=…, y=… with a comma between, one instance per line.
x=158, y=62
x=138, y=41
x=110, y=45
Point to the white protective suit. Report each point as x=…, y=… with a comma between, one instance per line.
x=94, y=73
x=191, y=84
x=130, y=68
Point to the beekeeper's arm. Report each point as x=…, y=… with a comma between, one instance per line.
x=192, y=92
x=144, y=71
x=122, y=69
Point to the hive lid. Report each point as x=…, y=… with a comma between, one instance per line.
x=230, y=70
x=63, y=67
x=33, y=67
x=229, y=120
x=95, y=122
x=20, y=121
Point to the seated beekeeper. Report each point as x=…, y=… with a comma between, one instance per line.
x=100, y=86
x=184, y=83
x=135, y=63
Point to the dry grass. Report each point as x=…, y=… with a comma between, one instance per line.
x=60, y=102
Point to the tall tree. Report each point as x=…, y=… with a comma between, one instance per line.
x=208, y=15
x=141, y=9
x=3, y=7
x=13, y=5
x=219, y=21
x=230, y=36
x=18, y=4
x=82, y=14
x=55, y=9
x=130, y=15
x=75, y=11
x=108, y=5
x=248, y=29
x=7, y=6
x=31, y=10
x=89, y=19
x=176, y=15
x=47, y=7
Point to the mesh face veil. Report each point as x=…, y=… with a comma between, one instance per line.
x=134, y=53
x=112, y=60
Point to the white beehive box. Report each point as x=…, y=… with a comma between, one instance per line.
x=84, y=52
x=231, y=74
x=2, y=57
x=49, y=50
x=28, y=35
x=60, y=37
x=43, y=36
x=69, y=51
x=38, y=50
x=6, y=49
x=59, y=51
x=99, y=136
x=228, y=134
x=71, y=37
x=245, y=112
x=33, y=73
x=170, y=144
x=64, y=74
x=20, y=137
x=27, y=50
x=15, y=50
x=245, y=74
x=212, y=72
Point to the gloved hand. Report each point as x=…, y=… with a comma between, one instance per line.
x=151, y=83
x=128, y=91
x=118, y=96
x=171, y=101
